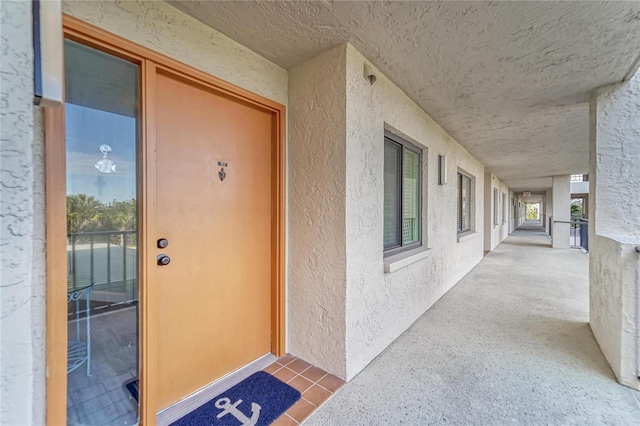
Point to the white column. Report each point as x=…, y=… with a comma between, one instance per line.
x=614, y=226
x=561, y=211
x=548, y=210
x=543, y=214
x=317, y=210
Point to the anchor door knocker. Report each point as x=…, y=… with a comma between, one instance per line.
x=222, y=174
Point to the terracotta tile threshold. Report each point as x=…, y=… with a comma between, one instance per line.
x=315, y=385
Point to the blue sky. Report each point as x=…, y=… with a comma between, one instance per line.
x=87, y=129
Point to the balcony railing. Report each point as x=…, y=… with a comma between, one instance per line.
x=579, y=234
x=106, y=260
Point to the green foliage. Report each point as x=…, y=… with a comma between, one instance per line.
x=119, y=216
x=532, y=212
x=83, y=213
x=576, y=209
x=86, y=214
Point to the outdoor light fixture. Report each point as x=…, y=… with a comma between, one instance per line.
x=442, y=169
x=369, y=74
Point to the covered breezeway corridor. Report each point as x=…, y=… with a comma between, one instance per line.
x=509, y=344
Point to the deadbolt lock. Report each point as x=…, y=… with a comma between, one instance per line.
x=163, y=243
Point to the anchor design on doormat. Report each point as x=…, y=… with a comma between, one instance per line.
x=228, y=408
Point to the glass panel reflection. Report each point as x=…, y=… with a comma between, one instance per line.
x=411, y=197
x=102, y=98
x=392, y=155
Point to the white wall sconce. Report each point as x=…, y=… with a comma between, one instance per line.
x=442, y=169
x=369, y=74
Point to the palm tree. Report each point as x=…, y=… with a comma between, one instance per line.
x=120, y=216
x=83, y=213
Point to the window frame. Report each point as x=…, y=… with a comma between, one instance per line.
x=496, y=206
x=504, y=208
x=391, y=250
x=459, y=180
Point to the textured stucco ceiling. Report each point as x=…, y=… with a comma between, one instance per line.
x=508, y=80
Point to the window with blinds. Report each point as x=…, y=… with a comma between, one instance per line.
x=402, y=195
x=464, y=203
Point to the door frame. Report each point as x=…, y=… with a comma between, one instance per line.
x=149, y=62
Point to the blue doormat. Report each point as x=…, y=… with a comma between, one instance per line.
x=256, y=401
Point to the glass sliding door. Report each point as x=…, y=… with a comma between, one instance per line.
x=102, y=136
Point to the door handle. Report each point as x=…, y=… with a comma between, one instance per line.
x=163, y=260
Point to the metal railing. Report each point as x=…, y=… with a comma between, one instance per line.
x=106, y=260
x=584, y=234
x=578, y=232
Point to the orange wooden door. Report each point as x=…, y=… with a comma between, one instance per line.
x=214, y=311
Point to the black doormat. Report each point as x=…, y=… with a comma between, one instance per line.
x=258, y=400
x=133, y=387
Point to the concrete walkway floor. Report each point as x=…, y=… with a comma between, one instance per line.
x=509, y=344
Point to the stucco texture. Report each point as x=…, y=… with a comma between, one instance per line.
x=508, y=345
x=615, y=162
x=22, y=293
x=381, y=306
x=164, y=29
x=614, y=209
x=344, y=309
x=506, y=79
x=317, y=236
x=494, y=234
x=561, y=195
x=153, y=24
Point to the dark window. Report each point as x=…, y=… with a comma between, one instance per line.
x=495, y=206
x=504, y=207
x=464, y=203
x=402, y=195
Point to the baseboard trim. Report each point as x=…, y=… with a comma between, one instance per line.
x=199, y=397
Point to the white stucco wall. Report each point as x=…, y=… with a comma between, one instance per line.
x=22, y=293
x=344, y=309
x=614, y=176
x=614, y=232
x=517, y=219
x=605, y=314
x=548, y=206
x=614, y=271
x=579, y=188
x=156, y=25
x=561, y=195
x=162, y=28
x=494, y=234
x=381, y=306
x=317, y=236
